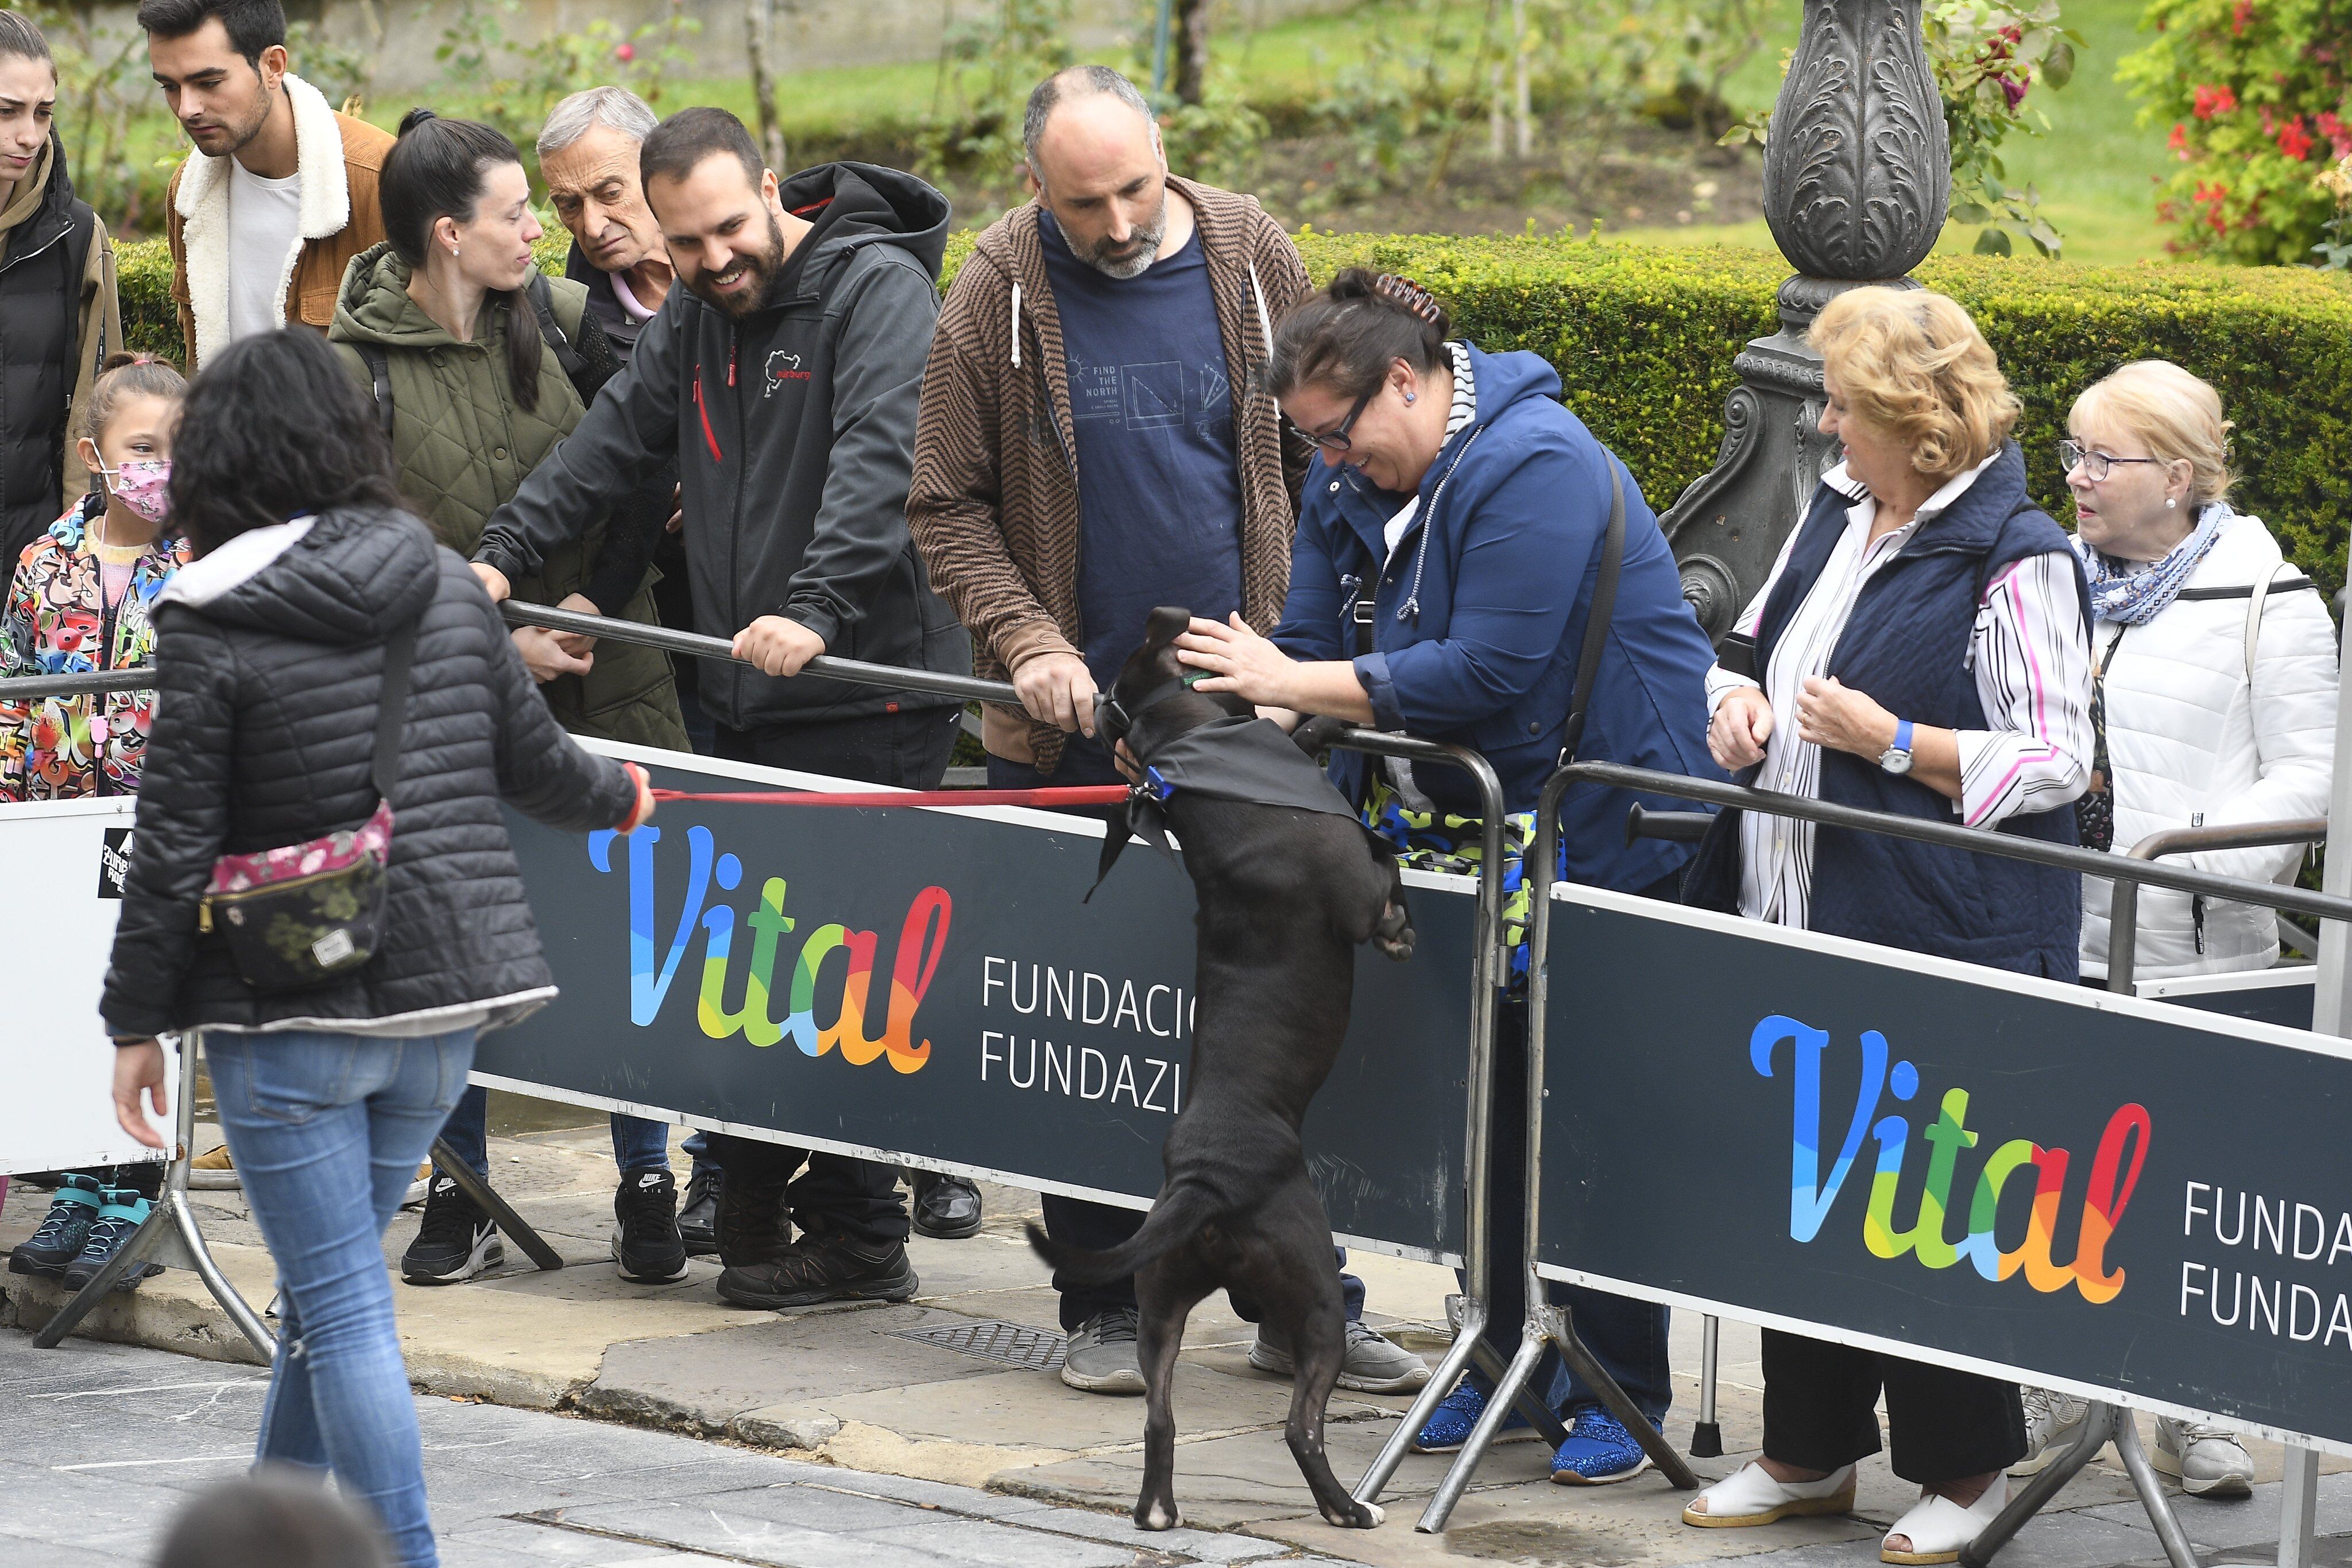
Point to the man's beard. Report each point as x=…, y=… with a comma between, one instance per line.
x=1131, y=260
x=241, y=136
x=762, y=268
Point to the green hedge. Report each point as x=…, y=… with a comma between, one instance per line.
x=1643, y=338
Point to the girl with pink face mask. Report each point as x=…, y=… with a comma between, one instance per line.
x=78, y=598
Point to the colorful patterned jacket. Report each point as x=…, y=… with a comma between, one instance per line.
x=57, y=623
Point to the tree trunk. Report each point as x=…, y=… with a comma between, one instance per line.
x=1191, y=27
x=763, y=86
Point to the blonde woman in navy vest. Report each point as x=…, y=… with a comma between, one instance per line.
x=1920, y=648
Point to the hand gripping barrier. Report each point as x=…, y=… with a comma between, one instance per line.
x=2105, y=1422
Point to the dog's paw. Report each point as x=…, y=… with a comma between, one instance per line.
x=1157, y=1516
x=1364, y=1516
x=1393, y=936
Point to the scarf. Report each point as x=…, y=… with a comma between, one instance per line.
x=2133, y=599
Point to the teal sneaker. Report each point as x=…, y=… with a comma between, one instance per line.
x=63, y=1231
x=1599, y=1450
x=118, y=1218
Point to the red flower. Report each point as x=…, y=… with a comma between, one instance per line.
x=2178, y=143
x=2241, y=17
x=2293, y=140
x=2213, y=101
x=2013, y=88
x=624, y=53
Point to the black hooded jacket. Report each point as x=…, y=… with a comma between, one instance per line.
x=43, y=261
x=793, y=431
x=269, y=654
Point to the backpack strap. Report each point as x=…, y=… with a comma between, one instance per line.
x=379, y=366
x=1604, y=608
x=543, y=305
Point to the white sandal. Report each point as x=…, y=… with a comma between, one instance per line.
x=1751, y=1497
x=1938, y=1528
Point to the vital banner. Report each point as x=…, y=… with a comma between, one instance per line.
x=2115, y=1197
x=931, y=982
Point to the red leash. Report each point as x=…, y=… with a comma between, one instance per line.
x=1064, y=795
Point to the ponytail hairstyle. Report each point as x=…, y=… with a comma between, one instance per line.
x=126, y=376
x=21, y=39
x=1345, y=336
x=434, y=171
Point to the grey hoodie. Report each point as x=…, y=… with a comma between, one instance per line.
x=794, y=432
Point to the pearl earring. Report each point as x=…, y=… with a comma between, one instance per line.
x=2170, y=503
x=1408, y=398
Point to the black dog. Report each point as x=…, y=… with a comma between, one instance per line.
x=1286, y=895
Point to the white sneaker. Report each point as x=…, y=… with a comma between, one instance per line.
x=2052, y=1420
x=1751, y=1497
x=1939, y=1529
x=2207, y=1461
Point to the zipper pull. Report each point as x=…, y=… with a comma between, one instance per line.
x=204, y=917
x=731, y=348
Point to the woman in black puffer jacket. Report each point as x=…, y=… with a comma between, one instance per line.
x=271, y=651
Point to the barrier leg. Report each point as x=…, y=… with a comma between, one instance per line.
x=1706, y=1437
x=1450, y=1368
x=2298, y=1508
x=2098, y=1427
x=170, y=1235
x=2151, y=1492
x=1508, y=1389
x=486, y=1198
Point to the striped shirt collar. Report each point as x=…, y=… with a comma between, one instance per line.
x=1466, y=392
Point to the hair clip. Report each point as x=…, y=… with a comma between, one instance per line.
x=1410, y=294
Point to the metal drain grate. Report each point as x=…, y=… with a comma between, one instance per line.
x=1015, y=1345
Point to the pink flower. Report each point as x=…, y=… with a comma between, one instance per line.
x=624, y=53
x=2013, y=88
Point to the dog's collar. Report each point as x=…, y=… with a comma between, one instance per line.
x=1114, y=719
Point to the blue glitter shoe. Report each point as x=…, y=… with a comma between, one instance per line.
x=1449, y=1425
x=1599, y=1450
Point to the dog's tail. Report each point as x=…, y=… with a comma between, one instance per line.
x=1174, y=1219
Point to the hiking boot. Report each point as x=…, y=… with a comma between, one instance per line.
x=455, y=1241
x=697, y=1217
x=1372, y=1366
x=647, y=1244
x=119, y=1219
x=947, y=1208
x=64, y=1230
x=822, y=1268
x=2053, y=1422
x=1100, y=1356
x=2207, y=1461
x=215, y=1172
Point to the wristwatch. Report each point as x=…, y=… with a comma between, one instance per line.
x=1897, y=759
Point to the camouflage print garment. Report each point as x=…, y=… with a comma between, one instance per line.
x=1451, y=846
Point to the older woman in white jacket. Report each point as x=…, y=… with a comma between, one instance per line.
x=2214, y=664
x=2213, y=703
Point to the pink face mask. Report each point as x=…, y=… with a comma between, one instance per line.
x=142, y=486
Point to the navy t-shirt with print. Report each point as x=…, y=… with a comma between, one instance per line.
x=1160, y=495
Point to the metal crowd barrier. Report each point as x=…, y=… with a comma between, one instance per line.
x=1490, y=959
x=1546, y=1324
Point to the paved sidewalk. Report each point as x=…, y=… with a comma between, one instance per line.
x=871, y=1389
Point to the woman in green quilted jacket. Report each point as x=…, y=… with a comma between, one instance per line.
x=480, y=367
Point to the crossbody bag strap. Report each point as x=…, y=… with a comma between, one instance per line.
x=2261, y=592
x=543, y=305
x=392, y=707
x=1604, y=607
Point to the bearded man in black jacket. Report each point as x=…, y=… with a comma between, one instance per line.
x=782, y=380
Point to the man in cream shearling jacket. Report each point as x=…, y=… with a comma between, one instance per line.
x=280, y=192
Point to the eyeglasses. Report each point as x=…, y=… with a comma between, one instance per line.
x=1336, y=438
x=2095, y=465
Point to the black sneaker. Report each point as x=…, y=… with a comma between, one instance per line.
x=455, y=1242
x=647, y=1245
x=119, y=1219
x=822, y=1268
x=697, y=1217
x=64, y=1231
x=947, y=1208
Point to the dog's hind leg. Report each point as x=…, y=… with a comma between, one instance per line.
x=1164, y=1295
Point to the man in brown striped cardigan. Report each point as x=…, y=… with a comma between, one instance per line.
x=1095, y=438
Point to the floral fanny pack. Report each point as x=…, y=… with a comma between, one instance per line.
x=304, y=914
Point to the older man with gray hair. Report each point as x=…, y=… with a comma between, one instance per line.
x=588, y=156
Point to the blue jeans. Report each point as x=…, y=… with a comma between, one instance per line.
x=638, y=1145
x=327, y=1131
